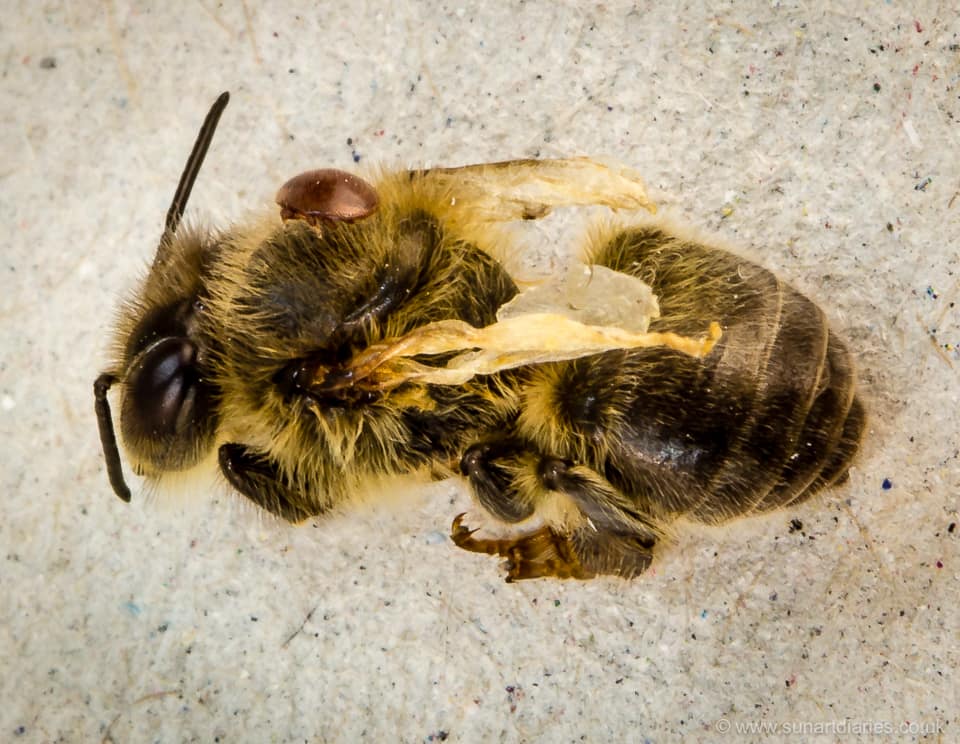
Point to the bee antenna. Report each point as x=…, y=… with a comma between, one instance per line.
x=192, y=169
x=108, y=439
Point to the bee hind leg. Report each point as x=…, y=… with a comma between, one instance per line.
x=611, y=536
x=616, y=537
x=540, y=554
x=504, y=476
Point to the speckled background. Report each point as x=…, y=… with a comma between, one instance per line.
x=821, y=142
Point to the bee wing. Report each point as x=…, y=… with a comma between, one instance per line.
x=529, y=338
x=529, y=189
x=593, y=295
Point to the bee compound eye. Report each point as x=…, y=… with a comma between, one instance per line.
x=161, y=390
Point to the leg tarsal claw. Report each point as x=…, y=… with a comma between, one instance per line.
x=462, y=537
x=458, y=530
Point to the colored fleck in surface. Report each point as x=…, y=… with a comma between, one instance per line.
x=435, y=537
x=887, y=484
x=514, y=695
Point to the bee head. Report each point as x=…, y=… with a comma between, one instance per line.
x=168, y=416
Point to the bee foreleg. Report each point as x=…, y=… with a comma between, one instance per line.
x=259, y=479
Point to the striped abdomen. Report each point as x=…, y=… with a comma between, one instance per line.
x=768, y=418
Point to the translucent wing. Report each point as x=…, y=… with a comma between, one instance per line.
x=529, y=189
x=590, y=309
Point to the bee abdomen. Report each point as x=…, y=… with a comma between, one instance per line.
x=829, y=437
x=767, y=419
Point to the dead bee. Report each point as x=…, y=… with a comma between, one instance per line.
x=375, y=329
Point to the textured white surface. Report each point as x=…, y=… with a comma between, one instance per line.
x=823, y=144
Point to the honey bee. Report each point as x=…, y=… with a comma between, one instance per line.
x=366, y=330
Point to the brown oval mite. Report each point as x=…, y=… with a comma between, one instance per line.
x=327, y=195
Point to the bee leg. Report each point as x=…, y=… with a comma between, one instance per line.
x=462, y=537
x=257, y=478
x=617, y=537
x=493, y=467
x=614, y=538
x=583, y=554
x=540, y=554
x=509, y=480
x=503, y=476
